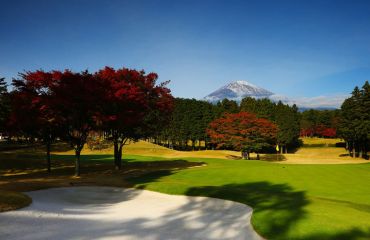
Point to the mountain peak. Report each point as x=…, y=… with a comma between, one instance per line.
x=242, y=82
x=238, y=90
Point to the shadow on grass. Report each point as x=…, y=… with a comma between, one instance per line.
x=353, y=234
x=27, y=174
x=141, y=181
x=263, y=157
x=273, y=157
x=234, y=157
x=344, y=155
x=20, y=162
x=276, y=206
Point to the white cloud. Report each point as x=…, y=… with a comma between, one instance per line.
x=329, y=101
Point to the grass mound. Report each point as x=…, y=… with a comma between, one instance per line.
x=13, y=200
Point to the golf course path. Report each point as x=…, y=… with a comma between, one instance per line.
x=117, y=213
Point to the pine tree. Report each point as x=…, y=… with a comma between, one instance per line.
x=354, y=126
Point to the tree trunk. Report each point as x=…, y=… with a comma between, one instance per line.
x=118, y=146
x=353, y=150
x=48, y=159
x=77, y=162
x=286, y=149
x=115, y=152
x=119, y=158
x=348, y=149
x=258, y=156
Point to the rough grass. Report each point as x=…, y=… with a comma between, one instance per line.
x=144, y=148
x=321, y=151
x=290, y=201
x=322, y=141
x=325, y=154
x=10, y=200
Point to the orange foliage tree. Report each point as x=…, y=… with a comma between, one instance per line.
x=242, y=132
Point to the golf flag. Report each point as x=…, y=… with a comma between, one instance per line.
x=277, y=148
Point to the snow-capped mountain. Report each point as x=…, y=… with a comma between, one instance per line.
x=237, y=91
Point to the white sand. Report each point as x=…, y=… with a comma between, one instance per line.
x=116, y=213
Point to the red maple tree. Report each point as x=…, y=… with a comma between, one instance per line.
x=77, y=100
x=32, y=112
x=243, y=132
x=133, y=104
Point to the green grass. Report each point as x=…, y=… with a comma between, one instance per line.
x=289, y=201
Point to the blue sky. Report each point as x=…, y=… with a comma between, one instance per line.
x=294, y=48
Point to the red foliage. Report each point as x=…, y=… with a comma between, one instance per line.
x=242, y=131
x=306, y=132
x=319, y=131
x=32, y=110
x=130, y=95
x=328, y=132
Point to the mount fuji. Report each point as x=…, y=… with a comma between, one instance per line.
x=238, y=90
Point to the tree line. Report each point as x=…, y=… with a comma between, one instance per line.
x=191, y=118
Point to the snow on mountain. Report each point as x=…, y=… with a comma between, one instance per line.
x=240, y=89
x=237, y=91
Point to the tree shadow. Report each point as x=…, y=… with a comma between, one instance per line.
x=95, y=170
x=140, y=181
x=273, y=157
x=276, y=206
x=344, y=155
x=263, y=157
x=234, y=157
x=82, y=198
x=353, y=234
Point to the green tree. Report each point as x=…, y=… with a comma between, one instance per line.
x=4, y=104
x=227, y=106
x=287, y=119
x=354, y=126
